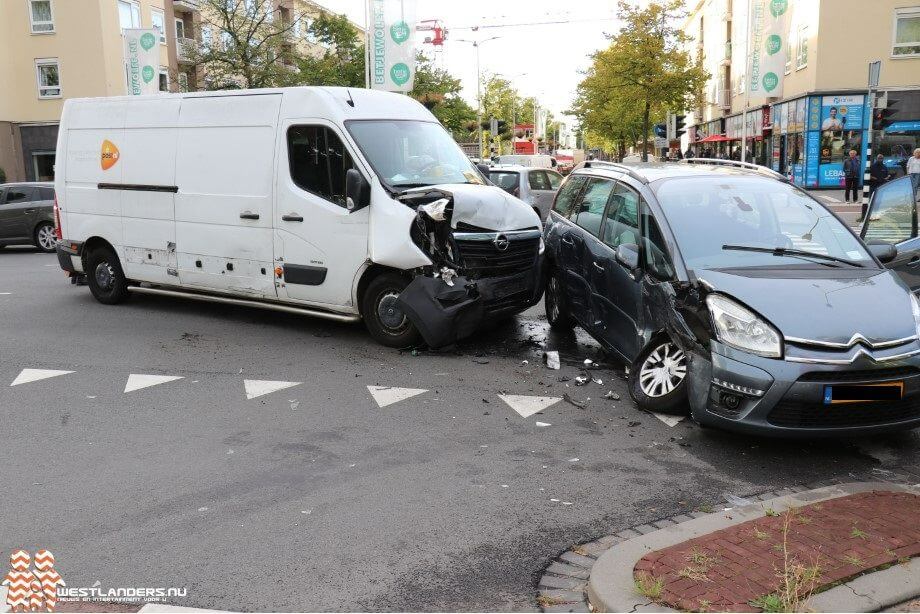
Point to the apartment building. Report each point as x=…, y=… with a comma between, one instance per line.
x=51, y=50
x=823, y=109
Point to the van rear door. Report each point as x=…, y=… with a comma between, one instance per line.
x=224, y=175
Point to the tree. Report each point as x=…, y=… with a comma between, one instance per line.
x=251, y=46
x=644, y=70
x=439, y=91
x=342, y=62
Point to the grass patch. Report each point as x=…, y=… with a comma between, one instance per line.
x=706, y=509
x=770, y=512
x=761, y=535
x=703, y=605
x=858, y=533
x=769, y=603
x=546, y=602
x=648, y=587
x=855, y=561
x=797, y=580
x=580, y=551
x=694, y=573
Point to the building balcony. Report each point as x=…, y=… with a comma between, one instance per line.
x=186, y=6
x=185, y=49
x=724, y=99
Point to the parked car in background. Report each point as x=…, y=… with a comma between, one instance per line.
x=731, y=291
x=27, y=215
x=533, y=160
x=535, y=186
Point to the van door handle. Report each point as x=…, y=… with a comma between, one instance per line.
x=599, y=267
x=292, y=217
x=915, y=261
x=249, y=215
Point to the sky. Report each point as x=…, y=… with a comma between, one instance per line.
x=540, y=60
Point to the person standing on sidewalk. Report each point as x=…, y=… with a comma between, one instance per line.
x=851, y=177
x=913, y=170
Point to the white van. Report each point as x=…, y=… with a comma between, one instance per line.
x=531, y=160
x=322, y=201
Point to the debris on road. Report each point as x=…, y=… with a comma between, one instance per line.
x=580, y=381
x=543, y=424
x=611, y=395
x=551, y=359
x=735, y=500
x=633, y=423
x=579, y=404
x=294, y=404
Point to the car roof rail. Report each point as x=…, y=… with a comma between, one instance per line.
x=763, y=170
x=616, y=166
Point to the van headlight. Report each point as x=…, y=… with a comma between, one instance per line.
x=915, y=308
x=740, y=328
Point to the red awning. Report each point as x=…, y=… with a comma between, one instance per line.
x=714, y=138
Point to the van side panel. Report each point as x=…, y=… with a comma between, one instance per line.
x=89, y=210
x=224, y=172
x=149, y=158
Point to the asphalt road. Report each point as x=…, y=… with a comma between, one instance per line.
x=314, y=497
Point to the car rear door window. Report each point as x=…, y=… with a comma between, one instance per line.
x=506, y=180
x=589, y=212
x=18, y=195
x=555, y=179
x=46, y=193
x=565, y=198
x=538, y=180
x=622, y=218
x=655, y=254
x=318, y=161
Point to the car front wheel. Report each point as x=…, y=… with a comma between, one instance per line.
x=658, y=380
x=105, y=278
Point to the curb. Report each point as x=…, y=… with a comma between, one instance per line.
x=569, y=583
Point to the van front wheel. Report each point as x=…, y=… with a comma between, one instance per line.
x=105, y=278
x=383, y=318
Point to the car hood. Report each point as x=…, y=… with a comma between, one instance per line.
x=486, y=206
x=814, y=305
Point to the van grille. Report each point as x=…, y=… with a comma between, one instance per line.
x=482, y=259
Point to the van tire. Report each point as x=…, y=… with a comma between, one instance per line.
x=672, y=402
x=554, y=300
x=379, y=314
x=44, y=238
x=105, y=278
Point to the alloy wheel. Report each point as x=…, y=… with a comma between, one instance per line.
x=46, y=238
x=663, y=370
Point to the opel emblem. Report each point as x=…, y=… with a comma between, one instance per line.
x=501, y=243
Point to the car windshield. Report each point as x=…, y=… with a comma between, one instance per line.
x=774, y=220
x=408, y=154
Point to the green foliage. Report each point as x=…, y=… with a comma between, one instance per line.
x=342, y=62
x=643, y=73
x=769, y=603
x=439, y=91
x=2, y=175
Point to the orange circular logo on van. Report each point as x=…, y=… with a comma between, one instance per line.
x=109, y=155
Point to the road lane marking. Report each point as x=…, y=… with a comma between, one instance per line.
x=33, y=375
x=387, y=395
x=527, y=405
x=258, y=387
x=137, y=381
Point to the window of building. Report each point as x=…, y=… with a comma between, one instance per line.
x=183, y=82
x=206, y=34
x=43, y=170
x=164, y=79
x=788, y=56
x=906, y=32
x=180, y=29
x=49, y=78
x=801, y=52
x=158, y=21
x=318, y=161
x=129, y=14
x=41, y=16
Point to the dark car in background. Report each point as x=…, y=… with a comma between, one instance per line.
x=727, y=289
x=535, y=186
x=27, y=215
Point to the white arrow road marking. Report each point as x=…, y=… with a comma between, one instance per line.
x=33, y=375
x=258, y=387
x=527, y=405
x=387, y=395
x=671, y=421
x=5, y=293
x=136, y=381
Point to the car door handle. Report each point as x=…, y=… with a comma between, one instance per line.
x=28, y=211
x=915, y=261
x=569, y=242
x=599, y=267
x=249, y=215
x=292, y=217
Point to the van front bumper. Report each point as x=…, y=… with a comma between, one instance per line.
x=513, y=293
x=742, y=392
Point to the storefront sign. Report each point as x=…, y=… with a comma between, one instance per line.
x=767, y=60
x=812, y=156
x=392, y=45
x=903, y=127
x=142, y=59
x=842, y=112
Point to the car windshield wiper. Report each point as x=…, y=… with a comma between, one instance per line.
x=785, y=251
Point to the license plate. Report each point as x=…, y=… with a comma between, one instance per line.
x=861, y=393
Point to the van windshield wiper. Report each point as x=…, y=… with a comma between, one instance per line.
x=786, y=251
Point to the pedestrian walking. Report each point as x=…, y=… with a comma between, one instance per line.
x=851, y=177
x=913, y=170
x=689, y=153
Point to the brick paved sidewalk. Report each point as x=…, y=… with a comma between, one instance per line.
x=730, y=569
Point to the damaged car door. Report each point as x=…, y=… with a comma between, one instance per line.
x=892, y=219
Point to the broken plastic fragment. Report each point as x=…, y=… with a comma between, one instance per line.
x=581, y=381
x=447, y=275
x=551, y=359
x=736, y=500
x=612, y=396
x=543, y=424
x=569, y=399
x=436, y=209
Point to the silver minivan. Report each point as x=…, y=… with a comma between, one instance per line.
x=535, y=186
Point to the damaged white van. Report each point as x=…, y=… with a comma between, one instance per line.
x=340, y=203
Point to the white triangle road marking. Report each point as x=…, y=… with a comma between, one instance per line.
x=136, y=381
x=387, y=395
x=33, y=375
x=259, y=387
x=527, y=405
x=671, y=421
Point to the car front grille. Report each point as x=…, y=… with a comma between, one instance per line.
x=792, y=414
x=866, y=375
x=481, y=259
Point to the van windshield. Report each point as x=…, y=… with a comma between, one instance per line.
x=737, y=222
x=409, y=154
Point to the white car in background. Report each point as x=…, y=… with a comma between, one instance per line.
x=535, y=186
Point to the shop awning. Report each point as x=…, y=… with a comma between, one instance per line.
x=714, y=138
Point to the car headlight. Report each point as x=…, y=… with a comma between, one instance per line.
x=738, y=327
x=915, y=307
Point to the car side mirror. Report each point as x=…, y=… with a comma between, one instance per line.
x=885, y=252
x=357, y=190
x=628, y=256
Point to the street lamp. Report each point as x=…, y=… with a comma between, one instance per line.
x=477, y=44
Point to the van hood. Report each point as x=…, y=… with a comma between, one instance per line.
x=485, y=206
x=810, y=304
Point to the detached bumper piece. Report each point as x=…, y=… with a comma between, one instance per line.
x=442, y=314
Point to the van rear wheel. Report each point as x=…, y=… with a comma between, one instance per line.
x=105, y=278
x=384, y=320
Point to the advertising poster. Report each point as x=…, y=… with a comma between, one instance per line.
x=812, y=158
x=391, y=44
x=142, y=59
x=842, y=121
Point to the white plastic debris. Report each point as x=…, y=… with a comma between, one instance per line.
x=551, y=359
x=574, y=460
x=447, y=274
x=611, y=395
x=308, y=512
x=599, y=382
x=588, y=362
x=581, y=381
x=543, y=424
x=295, y=405
x=736, y=501
x=435, y=209
x=524, y=363
x=202, y=509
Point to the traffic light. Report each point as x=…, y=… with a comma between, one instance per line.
x=680, y=122
x=661, y=131
x=881, y=118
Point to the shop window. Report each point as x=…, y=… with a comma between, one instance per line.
x=906, y=32
x=41, y=16
x=49, y=78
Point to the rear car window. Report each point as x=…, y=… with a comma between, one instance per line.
x=555, y=179
x=589, y=211
x=18, y=195
x=506, y=180
x=565, y=199
x=46, y=193
x=538, y=180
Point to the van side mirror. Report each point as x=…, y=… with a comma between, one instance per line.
x=628, y=256
x=483, y=168
x=357, y=190
x=885, y=252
